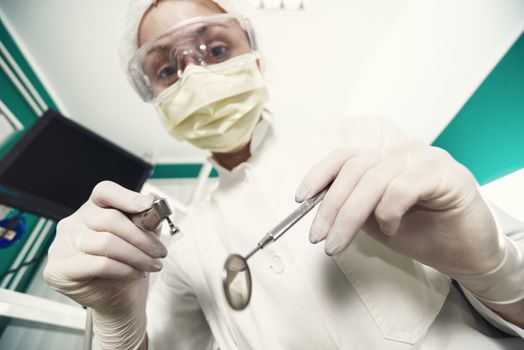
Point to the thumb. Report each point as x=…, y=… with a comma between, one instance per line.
x=108, y=194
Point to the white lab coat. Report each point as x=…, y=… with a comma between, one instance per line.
x=368, y=297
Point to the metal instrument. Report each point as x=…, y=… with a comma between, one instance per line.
x=151, y=218
x=236, y=276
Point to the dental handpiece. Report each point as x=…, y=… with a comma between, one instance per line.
x=150, y=219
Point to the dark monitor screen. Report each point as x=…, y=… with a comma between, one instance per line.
x=53, y=167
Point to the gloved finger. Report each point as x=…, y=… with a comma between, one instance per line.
x=111, y=246
x=158, y=232
x=324, y=172
x=417, y=185
x=404, y=147
x=116, y=222
x=86, y=267
x=360, y=204
x=401, y=194
x=108, y=194
x=346, y=180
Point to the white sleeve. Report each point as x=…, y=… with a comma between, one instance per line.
x=514, y=230
x=175, y=319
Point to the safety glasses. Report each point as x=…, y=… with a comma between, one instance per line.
x=204, y=41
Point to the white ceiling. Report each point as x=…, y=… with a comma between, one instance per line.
x=414, y=61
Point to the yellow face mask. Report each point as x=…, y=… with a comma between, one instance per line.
x=215, y=108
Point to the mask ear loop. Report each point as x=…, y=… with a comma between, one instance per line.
x=247, y=26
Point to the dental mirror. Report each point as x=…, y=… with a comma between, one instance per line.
x=236, y=276
x=237, y=282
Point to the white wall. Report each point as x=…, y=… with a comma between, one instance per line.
x=507, y=193
x=433, y=59
x=413, y=61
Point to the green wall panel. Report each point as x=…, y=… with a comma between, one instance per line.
x=14, y=101
x=19, y=107
x=171, y=171
x=15, y=52
x=487, y=135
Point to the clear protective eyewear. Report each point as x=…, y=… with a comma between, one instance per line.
x=205, y=41
x=236, y=275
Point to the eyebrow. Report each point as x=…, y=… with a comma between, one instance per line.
x=161, y=48
x=199, y=31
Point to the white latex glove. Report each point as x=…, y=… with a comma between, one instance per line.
x=415, y=199
x=100, y=259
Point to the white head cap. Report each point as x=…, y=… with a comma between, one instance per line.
x=135, y=12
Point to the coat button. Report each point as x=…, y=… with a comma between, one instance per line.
x=277, y=264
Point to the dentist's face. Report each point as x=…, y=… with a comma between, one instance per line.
x=168, y=49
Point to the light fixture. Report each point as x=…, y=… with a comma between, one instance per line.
x=291, y=5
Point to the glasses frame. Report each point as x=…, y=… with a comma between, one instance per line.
x=138, y=78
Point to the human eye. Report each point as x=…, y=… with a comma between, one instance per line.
x=166, y=73
x=218, y=52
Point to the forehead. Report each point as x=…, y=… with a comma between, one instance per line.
x=166, y=14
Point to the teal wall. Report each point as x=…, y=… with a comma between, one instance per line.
x=21, y=110
x=170, y=171
x=487, y=135
x=39, y=231
x=8, y=93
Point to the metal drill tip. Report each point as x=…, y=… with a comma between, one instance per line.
x=173, y=229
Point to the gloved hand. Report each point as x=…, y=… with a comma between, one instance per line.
x=100, y=259
x=418, y=201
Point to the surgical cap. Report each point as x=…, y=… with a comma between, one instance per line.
x=135, y=12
